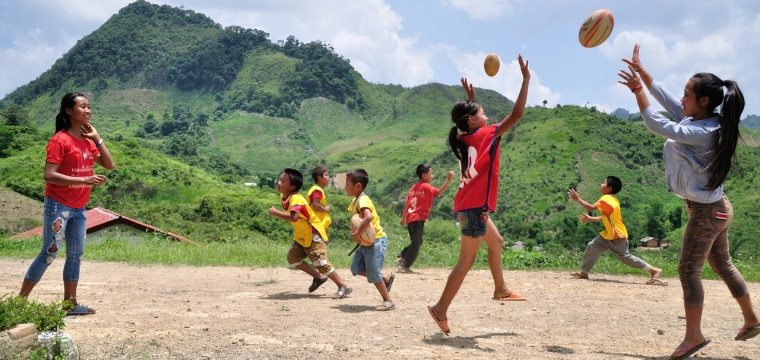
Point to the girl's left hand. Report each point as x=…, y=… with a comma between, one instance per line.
x=630, y=79
x=468, y=88
x=89, y=132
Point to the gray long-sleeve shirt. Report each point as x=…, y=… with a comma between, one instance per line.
x=688, y=148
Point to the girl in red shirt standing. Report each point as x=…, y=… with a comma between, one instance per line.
x=477, y=148
x=71, y=153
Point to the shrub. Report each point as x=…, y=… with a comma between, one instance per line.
x=15, y=310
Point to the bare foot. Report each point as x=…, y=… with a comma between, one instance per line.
x=656, y=274
x=502, y=294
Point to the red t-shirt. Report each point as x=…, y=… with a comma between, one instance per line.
x=75, y=158
x=419, y=201
x=479, y=186
x=315, y=195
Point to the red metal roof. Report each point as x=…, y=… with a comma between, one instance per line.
x=100, y=218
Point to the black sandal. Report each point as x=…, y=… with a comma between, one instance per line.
x=316, y=283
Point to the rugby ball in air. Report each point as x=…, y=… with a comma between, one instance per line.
x=596, y=28
x=492, y=63
x=367, y=238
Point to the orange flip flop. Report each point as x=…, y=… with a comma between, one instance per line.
x=443, y=324
x=514, y=296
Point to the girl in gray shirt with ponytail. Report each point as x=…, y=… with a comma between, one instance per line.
x=698, y=153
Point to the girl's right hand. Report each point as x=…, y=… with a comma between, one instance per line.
x=524, y=67
x=95, y=180
x=635, y=62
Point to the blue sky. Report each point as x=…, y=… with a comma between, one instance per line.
x=416, y=42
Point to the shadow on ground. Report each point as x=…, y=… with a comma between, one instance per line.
x=461, y=342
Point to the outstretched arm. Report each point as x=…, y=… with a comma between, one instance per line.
x=519, y=108
x=575, y=196
x=635, y=64
x=633, y=82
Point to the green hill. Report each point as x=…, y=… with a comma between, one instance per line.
x=192, y=110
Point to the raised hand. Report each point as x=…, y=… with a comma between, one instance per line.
x=451, y=174
x=524, y=67
x=630, y=79
x=468, y=88
x=635, y=62
x=584, y=218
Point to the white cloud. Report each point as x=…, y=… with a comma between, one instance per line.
x=482, y=9
x=507, y=81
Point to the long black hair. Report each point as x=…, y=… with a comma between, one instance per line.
x=460, y=115
x=62, y=121
x=731, y=107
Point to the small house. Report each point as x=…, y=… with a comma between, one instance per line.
x=649, y=242
x=106, y=224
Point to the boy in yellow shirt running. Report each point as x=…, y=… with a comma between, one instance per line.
x=309, y=237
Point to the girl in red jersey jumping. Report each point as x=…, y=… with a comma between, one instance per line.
x=477, y=148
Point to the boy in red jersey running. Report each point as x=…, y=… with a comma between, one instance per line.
x=418, y=203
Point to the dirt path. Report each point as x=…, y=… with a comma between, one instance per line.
x=162, y=312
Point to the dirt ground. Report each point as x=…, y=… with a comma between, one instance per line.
x=180, y=312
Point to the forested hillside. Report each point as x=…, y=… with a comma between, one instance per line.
x=192, y=110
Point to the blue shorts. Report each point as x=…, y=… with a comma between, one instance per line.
x=472, y=222
x=370, y=259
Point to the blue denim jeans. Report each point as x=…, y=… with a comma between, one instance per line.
x=371, y=260
x=472, y=222
x=73, y=227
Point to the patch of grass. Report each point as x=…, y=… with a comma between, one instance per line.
x=270, y=280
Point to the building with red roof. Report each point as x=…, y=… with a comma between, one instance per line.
x=106, y=224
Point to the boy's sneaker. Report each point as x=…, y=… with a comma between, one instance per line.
x=404, y=270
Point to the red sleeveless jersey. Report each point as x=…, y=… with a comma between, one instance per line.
x=479, y=186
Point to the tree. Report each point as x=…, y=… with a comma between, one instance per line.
x=654, y=225
x=15, y=115
x=544, y=102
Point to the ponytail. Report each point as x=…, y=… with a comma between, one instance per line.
x=62, y=121
x=460, y=115
x=731, y=107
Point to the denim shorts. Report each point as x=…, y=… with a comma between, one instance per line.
x=370, y=259
x=73, y=229
x=472, y=222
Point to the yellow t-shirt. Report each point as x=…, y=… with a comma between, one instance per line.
x=365, y=202
x=324, y=216
x=614, y=228
x=306, y=219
